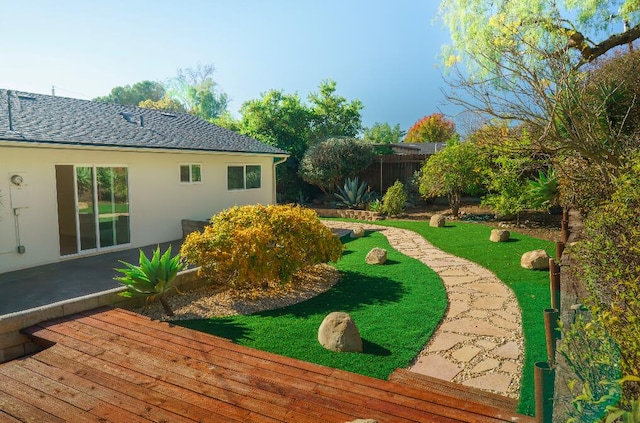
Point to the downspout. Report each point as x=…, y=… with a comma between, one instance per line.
x=274, y=200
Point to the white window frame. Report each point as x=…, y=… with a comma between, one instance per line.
x=191, y=166
x=244, y=176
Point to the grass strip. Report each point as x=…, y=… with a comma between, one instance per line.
x=471, y=241
x=396, y=307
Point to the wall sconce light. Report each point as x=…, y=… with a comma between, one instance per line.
x=16, y=180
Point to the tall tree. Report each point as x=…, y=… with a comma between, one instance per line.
x=523, y=61
x=198, y=92
x=432, y=128
x=132, y=95
x=585, y=29
x=332, y=115
x=383, y=133
x=278, y=119
x=166, y=103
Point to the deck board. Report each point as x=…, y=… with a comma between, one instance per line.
x=113, y=365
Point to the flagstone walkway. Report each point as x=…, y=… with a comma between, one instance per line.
x=479, y=342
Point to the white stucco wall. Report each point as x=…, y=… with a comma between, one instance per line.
x=157, y=199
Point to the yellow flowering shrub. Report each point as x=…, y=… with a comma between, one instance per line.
x=251, y=246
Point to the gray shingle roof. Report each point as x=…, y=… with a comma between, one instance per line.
x=61, y=120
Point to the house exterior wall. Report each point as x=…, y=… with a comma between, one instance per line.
x=157, y=199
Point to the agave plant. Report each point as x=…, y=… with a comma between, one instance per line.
x=354, y=194
x=151, y=278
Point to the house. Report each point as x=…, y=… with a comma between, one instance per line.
x=417, y=147
x=80, y=177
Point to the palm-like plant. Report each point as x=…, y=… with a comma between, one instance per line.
x=151, y=278
x=354, y=194
x=543, y=191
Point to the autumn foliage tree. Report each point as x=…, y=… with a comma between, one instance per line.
x=432, y=128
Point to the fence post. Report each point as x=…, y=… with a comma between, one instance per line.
x=559, y=250
x=551, y=333
x=565, y=225
x=554, y=284
x=544, y=378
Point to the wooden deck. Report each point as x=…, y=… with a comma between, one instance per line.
x=111, y=365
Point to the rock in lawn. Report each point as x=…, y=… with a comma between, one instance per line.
x=357, y=232
x=499, y=235
x=376, y=256
x=437, y=221
x=338, y=332
x=536, y=260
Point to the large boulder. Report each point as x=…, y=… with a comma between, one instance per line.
x=376, y=256
x=536, y=260
x=357, y=232
x=499, y=235
x=338, y=332
x=437, y=221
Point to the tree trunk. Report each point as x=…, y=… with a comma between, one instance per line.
x=454, y=203
x=165, y=305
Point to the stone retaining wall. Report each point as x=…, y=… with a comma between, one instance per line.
x=349, y=214
x=14, y=344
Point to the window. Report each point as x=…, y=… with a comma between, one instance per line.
x=244, y=177
x=190, y=173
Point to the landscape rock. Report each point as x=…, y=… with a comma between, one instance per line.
x=499, y=235
x=357, y=232
x=536, y=260
x=437, y=221
x=376, y=256
x=338, y=332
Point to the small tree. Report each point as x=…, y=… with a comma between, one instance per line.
x=432, y=128
x=507, y=184
x=329, y=163
x=452, y=171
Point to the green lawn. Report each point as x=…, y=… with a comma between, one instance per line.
x=471, y=241
x=396, y=307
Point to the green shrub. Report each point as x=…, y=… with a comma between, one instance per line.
x=375, y=205
x=608, y=261
x=253, y=246
x=394, y=199
x=595, y=360
x=151, y=278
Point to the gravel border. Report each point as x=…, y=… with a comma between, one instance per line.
x=212, y=301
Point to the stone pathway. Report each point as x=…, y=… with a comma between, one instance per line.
x=479, y=342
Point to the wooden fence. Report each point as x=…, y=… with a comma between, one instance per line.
x=389, y=168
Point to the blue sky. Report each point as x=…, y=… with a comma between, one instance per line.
x=382, y=52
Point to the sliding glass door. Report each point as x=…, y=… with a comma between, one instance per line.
x=93, y=207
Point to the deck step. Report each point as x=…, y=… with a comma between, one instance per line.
x=465, y=393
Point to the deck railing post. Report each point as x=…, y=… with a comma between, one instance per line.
x=544, y=376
